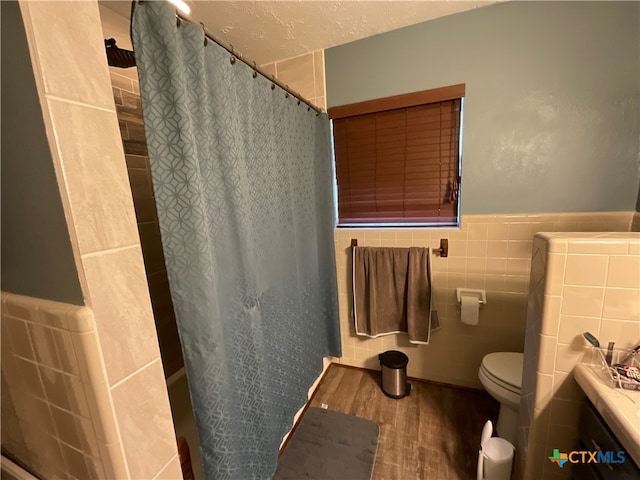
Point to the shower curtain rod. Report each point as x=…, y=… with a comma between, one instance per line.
x=252, y=65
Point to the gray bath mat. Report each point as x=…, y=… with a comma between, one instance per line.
x=329, y=445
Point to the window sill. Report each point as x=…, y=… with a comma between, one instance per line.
x=433, y=226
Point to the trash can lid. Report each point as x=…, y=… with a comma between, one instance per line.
x=393, y=359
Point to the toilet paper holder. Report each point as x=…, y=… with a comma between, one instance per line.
x=481, y=294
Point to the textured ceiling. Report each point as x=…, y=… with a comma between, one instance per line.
x=266, y=30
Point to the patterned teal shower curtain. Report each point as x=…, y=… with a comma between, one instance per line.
x=243, y=186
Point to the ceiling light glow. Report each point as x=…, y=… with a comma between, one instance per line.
x=182, y=6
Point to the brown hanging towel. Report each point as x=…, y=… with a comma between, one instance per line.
x=392, y=292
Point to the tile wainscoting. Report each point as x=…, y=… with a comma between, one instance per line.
x=579, y=282
x=57, y=413
x=491, y=252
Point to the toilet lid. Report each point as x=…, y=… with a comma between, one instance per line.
x=505, y=366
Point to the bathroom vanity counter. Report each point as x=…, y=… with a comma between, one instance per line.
x=619, y=408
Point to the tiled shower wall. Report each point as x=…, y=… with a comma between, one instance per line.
x=304, y=74
x=126, y=94
x=579, y=282
x=67, y=52
x=490, y=252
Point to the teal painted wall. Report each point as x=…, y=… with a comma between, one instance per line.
x=37, y=259
x=552, y=110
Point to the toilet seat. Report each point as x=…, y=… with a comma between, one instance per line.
x=504, y=369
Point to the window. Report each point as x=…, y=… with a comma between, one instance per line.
x=398, y=158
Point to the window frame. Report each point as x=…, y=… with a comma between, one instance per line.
x=408, y=100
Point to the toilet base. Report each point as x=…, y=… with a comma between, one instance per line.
x=507, y=423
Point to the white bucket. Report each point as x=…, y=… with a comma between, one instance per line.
x=495, y=458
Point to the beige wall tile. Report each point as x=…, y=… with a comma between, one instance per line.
x=60, y=41
x=518, y=266
x=582, y=301
x=567, y=355
x=77, y=397
x=554, y=276
x=66, y=427
x=520, y=231
x=46, y=457
x=18, y=306
x=54, y=314
x=30, y=377
x=64, y=351
x=624, y=271
x=142, y=409
x=544, y=391
x=20, y=340
x=565, y=386
x=546, y=352
x=477, y=248
x=172, y=471
x=297, y=72
x=120, y=81
x=624, y=334
x=95, y=175
x=45, y=346
x=551, y=315
x=116, y=467
x=478, y=231
x=586, y=270
x=590, y=246
x=621, y=303
x=94, y=382
x=497, y=248
x=120, y=299
x=573, y=327
x=75, y=461
x=318, y=72
x=519, y=249
x=55, y=387
x=269, y=69
x=498, y=231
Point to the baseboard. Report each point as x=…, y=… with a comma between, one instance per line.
x=414, y=379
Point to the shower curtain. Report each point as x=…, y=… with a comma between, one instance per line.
x=243, y=186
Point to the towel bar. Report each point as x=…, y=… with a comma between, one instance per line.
x=443, y=250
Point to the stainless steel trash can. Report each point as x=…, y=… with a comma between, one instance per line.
x=394, y=374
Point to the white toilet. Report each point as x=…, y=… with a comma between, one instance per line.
x=501, y=375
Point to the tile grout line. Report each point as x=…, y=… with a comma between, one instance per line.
x=166, y=465
x=50, y=96
x=121, y=381
x=108, y=251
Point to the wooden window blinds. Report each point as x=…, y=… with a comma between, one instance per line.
x=397, y=158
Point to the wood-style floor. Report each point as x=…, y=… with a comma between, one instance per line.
x=434, y=433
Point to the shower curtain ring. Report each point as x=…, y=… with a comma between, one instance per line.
x=273, y=86
x=232, y=60
x=255, y=74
